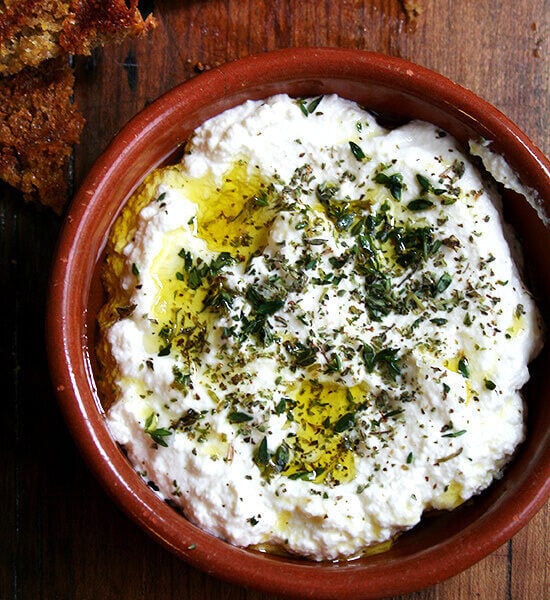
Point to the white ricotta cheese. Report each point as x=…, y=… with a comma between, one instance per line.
x=319, y=331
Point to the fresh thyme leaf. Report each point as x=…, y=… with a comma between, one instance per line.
x=302, y=104
x=454, y=434
x=261, y=456
x=280, y=408
x=165, y=351
x=489, y=385
x=344, y=423
x=281, y=457
x=157, y=434
x=260, y=199
x=393, y=182
x=368, y=355
x=302, y=355
x=334, y=365
x=218, y=297
x=261, y=304
x=357, y=151
x=326, y=191
x=312, y=106
x=443, y=283
x=420, y=204
x=135, y=270
x=195, y=279
x=424, y=183
x=388, y=359
x=223, y=259
x=181, y=380
x=188, y=260
x=410, y=457
x=393, y=413
x=463, y=368
x=238, y=417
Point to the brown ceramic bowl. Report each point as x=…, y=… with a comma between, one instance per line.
x=445, y=543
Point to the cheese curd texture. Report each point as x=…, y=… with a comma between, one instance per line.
x=315, y=329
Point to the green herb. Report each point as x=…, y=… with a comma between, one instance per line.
x=312, y=106
x=218, y=297
x=394, y=183
x=165, y=351
x=438, y=321
x=188, y=419
x=188, y=260
x=334, y=365
x=455, y=434
x=427, y=186
x=357, y=151
x=490, y=385
x=181, y=380
x=463, y=367
x=308, y=109
x=302, y=355
x=261, y=456
x=238, y=417
x=281, y=457
x=443, y=283
x=344, y=423
x=223, y=259
x=409, y=458
x=261, y=304
x=420, y=204
x=135, y=270
x=260, y=199
x=157, y=433
x=326, y=191
x=302, y=104
x=280, y=408
x=386, y=359
x=195, y=279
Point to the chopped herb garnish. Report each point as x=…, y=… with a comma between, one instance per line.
x=420, y=204
x=312, y=106
x=393, y=182
x=409, y=458
x=135, y=270
x=157, y=433
x=344, y=423
x=490, y=385
x=455, y=434
x=357, y=151
x=165, y=350
x=238, y=417
x=261, y=456
x=463, y=368
x=195, y=279
x=443, y=283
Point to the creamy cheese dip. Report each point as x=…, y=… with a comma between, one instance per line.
x=315, y=329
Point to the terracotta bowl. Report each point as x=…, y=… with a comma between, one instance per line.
x=444, y=543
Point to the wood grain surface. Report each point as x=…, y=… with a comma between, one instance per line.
x=60, y=535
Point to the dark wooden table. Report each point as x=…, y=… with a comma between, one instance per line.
x=60, y=536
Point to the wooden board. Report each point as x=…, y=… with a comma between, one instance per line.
x=61, y=536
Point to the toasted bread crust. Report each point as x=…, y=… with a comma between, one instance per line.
x=38, y=121
x=35, y=30
x=38, y=126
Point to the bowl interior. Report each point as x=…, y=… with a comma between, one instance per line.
x=444, y=543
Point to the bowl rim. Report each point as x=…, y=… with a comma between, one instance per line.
x=78, y=398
